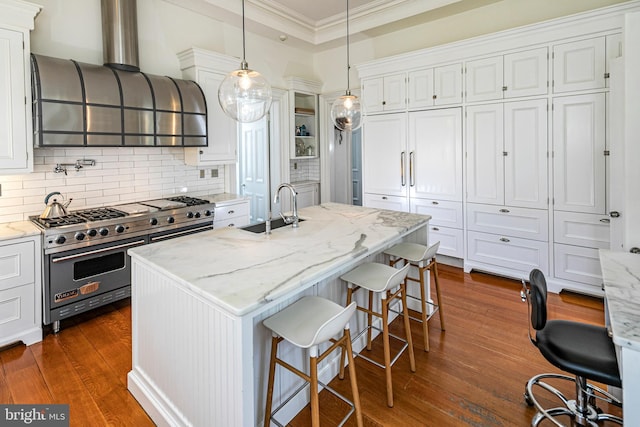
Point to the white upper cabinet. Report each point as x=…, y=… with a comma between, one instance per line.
x=385, y=155
x=435, y=154
x=435, y=86
x=507, y=154
x=578, y=153
x=209, y=69
x=384, y=94
x=16, y=136
x=579, y=65
x=507, y=76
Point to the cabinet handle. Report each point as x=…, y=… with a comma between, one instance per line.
x=231, y=212
x=504, y=210
x=504, y=88
x=231, y=225
x=384, y=197
x=402, y=180
x=614, y=214
x=412, y=178
x=504, y=239
x=504, y=153
x=435, y=203
x=384, y=102
x=605, y=220
x=435, y=96
x=435, y=228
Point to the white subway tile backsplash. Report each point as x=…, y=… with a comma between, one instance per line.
x=120, y=175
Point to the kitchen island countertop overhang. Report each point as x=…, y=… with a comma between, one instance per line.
x=239, y=270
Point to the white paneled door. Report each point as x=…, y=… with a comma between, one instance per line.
x=254, y=168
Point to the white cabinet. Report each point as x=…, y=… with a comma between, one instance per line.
x=208, y=69
x=516, y=222
x=579, y=65
x=507, y=154
x=435, y=86
x=579, y=153
x=305, y=125
x=381, y=201
x=233, y=213
x=507, y=76
x=445, y=225
x=308, y=194
x=16, y=136
x=384, y=94
x=20, y=291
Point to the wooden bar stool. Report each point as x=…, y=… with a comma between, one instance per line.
x=423, y=258
x=389, y=283
x=307, y=323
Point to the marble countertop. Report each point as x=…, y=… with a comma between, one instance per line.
x=240, y=271
x=621, y=274
x=18, y=229
x=223, y=197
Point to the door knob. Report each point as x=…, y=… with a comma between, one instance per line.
x=614, y=214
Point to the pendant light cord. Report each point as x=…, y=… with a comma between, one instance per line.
x=244, y=64
x=348, y=63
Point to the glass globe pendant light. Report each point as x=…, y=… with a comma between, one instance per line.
x=346, y=113
x=244, y=94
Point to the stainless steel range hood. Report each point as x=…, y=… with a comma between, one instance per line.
x=77, y=104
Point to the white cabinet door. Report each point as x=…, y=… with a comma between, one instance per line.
x=581, y=229
x=515, y=254
x=435, y=154
x=447, y=84
x=525, y=73
x=385, y=94
x=420, y=88
x=385, y=156
x=484, y=79
x=518, y=222
x=443, y=212
x=577, y=264
x=525, y=149
x=613, y=51
x=579, y=65
x=15, y=141
x=451, y=240
x=380, y=201
x=578, y=153
x=221, y=129
x=485, y=164
x=307, y=195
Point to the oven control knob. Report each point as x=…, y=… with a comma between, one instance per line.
x=60, y=240
x=103, y=231
x=171, y=220
x=189, y=214
x=153, y=221
x=207, y=213
x=92, y=232
x=79, y=236
x=119, y=228
x=197, y=214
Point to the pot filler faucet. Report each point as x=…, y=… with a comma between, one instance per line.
x=293, y=219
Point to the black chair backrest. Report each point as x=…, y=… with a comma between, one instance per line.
x=538, y=298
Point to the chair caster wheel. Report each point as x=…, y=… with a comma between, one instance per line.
x=527, y=399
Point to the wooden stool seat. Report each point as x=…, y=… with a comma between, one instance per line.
x=390, y=284
x=307, y=323
x=423, y=258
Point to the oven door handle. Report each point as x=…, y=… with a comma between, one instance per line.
x=182, y=233
x=98, y=251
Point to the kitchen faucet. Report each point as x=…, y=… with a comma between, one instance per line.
x=294, y=215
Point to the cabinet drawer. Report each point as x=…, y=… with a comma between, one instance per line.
x=581, y=229
x=238, y=221
x=443, y=213
x=231, y=210
x=380, y=201
x=17, y=310
x=509, y=252
x=451, y=240
x=577, y=264
x=510, y=221
x=17, y=265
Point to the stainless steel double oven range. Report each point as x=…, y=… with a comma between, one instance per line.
x=85, y=252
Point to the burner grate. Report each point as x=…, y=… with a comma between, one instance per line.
x=97, y=214
x=60, y=221
x=189, y=201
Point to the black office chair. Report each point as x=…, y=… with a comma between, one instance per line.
x=584, y=350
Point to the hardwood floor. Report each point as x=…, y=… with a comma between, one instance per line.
x=473, y=375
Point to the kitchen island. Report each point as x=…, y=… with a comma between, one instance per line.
x=199, y=348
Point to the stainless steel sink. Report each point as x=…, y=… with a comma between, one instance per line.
x=262, y=226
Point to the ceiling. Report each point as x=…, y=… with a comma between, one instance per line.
x=314, y=23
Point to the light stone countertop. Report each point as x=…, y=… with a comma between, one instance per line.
x=240, y=271
x=18, y=229
x=223, y=197
x=621, y=274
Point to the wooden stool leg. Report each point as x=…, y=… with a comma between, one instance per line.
x=315, y=405
x=407, y=328
x=434, y=273
x=423, y=301
x=387, y=354
x=272, y=374
x=352, y=377
x=341, y=373
x=369, y=320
